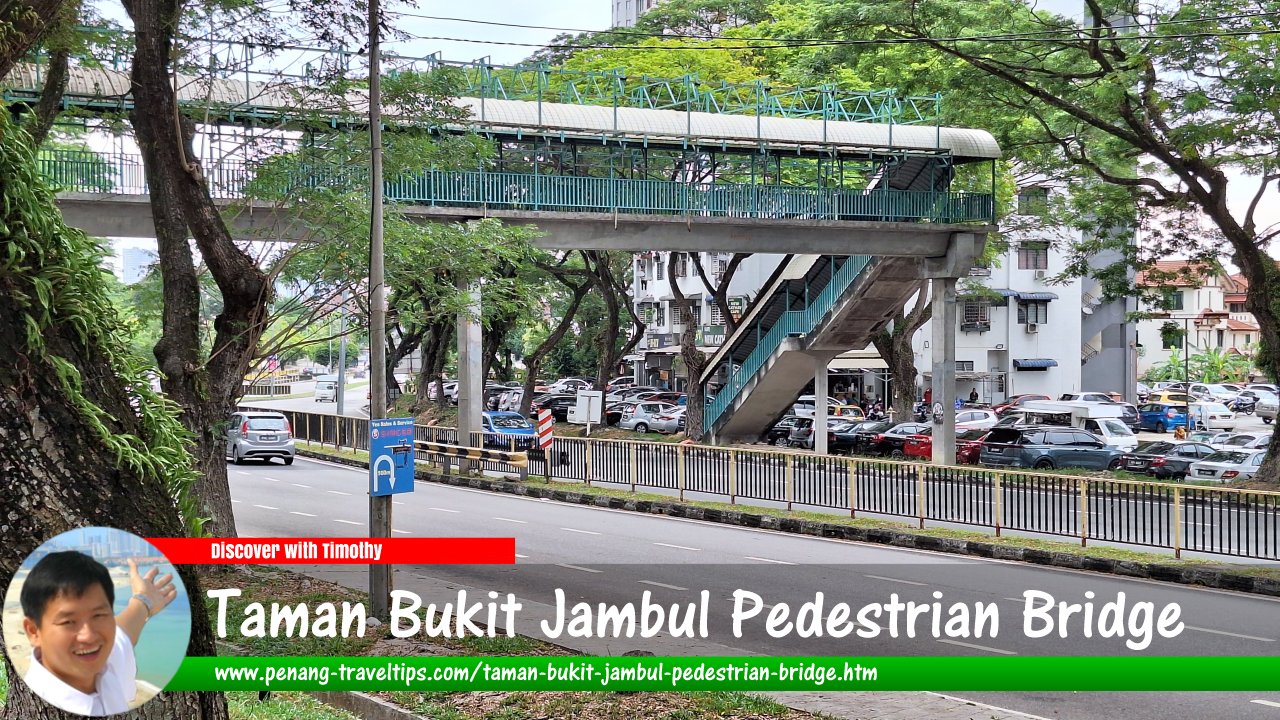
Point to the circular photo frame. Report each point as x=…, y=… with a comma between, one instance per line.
x=96, y=621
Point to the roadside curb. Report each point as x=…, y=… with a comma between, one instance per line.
x=365, y=706
x=1206, y=577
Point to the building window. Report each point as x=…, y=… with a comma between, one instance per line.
x=717, y=315
x=1247, y=340
x=1236, y=308
x=679, y=312
x=1033, y=256
x=1033, y=312
x=976, y=316
x=964, y=366
x=1222, y=334
x=1033, y=201
x=682, y=265
x=659, y=268
x=1171, y=299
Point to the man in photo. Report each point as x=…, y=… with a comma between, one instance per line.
x=82, y=657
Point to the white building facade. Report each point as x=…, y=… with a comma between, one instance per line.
x=1203, y=305
x=626, y=12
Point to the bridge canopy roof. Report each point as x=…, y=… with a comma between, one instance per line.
x=664, y=127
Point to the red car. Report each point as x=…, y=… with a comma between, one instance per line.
x=1016, y=401
x=968, y=446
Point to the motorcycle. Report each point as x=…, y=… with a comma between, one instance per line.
x=921, y=412
x=1242, y=405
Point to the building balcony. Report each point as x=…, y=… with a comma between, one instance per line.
x=975, y=327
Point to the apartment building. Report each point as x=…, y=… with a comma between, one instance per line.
x=1203, y=304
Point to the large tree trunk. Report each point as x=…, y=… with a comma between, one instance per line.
x=894, y=346
x=208, y=390
x=57, y=471
x=533, y=361
x=22, y=24
x=695, y=361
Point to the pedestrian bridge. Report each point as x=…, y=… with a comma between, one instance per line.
x=865, y=194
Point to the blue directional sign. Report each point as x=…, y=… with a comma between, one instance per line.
x=390, y=456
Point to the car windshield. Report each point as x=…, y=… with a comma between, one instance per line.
x=1155, y=448
x=1115, y=427
x=510, y=421
x=1215, y=407
x=1234, y=458
x=1239, y=440
x=266, y=423
x=966, y=435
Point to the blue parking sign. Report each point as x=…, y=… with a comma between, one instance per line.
x=390, y=456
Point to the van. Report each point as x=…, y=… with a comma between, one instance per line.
x=1104, y=420
x=326, y=388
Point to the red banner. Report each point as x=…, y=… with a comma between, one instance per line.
x=330, y=551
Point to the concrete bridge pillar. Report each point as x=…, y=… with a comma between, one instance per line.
x=820, y=410
x=943, y=272
x=470, y=368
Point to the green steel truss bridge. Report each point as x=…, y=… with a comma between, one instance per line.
x=864, y=190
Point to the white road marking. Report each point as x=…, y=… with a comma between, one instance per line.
x=348, y=522
x=523, y=557
x=266, y=507
x=444, y=510
x=1229, y=634
x=775, y=562
x=977, y=647
x=295, y=512
x=677, y=547
x=300, y=485
x=242, y=472
x=576, y=567
x=1268, y=703
x=889, y=579
x=661, y=585
x=235, y=501
x=396, y=502
x=584, y=532
x=338, y=492
x=522, y=522
x=402, y=532
x=272, y=479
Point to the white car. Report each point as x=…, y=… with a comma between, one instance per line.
x=669, y=422
x=1227, y=466
x=807, y=405
x=1098, y=397
x=1245, y=441
x=1212, y=416
x=509, y=401
x=976, y=420
x=1267, y=407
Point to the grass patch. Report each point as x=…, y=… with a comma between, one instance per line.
x=597, y=706
x=281, y=706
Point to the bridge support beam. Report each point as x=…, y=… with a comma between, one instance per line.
x=470, y=369
x=820, y=410
x=943, y=272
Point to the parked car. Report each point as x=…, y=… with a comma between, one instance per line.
x=558, y=405
x=507, y=431
x=1209, y=437
x=1164, y=459
x=1212, y=416
x=1175, y=397
x=859, y=438
x=1246, y=441
x=1113, y=432
x=1266, y=387
x=1215, y=391
x=634, y=391
x=613, y=412
x=1227, y=466
x=641, y=416
x=1046, y=448
x=670, y=422
x=777, y=435
x=448, y=386
x=808, y=405
x=1267, y=408
x=621, y=382
x=1162, y=416
x=970, y=419
x=1142, y=390
x=259, y=435
x=1087, y=397
x=1131, y=418
x=852, y=413
x=570, y=385
x=1017, y=400
x=968, y=443
x=326, y=388
x=890, y=443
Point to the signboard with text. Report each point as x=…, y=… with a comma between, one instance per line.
x=390, y=456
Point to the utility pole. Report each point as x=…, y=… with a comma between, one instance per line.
x=379, y=507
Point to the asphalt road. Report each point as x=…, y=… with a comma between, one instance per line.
x=599, y=555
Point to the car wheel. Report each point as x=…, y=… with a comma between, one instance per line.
x=236, y=456
x=897, y=455
x=1115, y=464
x=288, y=460
x=642, y=428
x=1044, y=464
x=780, y=442
x=1160, y=428
x=1266, y=420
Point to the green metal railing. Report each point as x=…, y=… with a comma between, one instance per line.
x=90, y=172
x=792, y=322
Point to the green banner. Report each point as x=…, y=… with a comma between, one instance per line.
x=730, y=673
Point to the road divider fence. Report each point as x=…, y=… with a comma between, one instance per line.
x=1218, y=520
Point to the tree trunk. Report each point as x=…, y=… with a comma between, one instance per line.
x=695, y=361
x=894, y=346
x=59, y=473
x=180, y=203
x=533, y=361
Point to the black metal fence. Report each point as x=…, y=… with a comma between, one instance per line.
x=1224, y=521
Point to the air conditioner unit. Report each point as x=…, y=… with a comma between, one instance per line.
x=1032, y=328
x=1040, y=274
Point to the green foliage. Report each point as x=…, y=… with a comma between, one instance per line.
x=1214, y=365
x=53, y=279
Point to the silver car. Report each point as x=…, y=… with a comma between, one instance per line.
x=259, y=435
x=1227, y=466
x=642, y=415
x=669, y=422
x=1245, y=441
